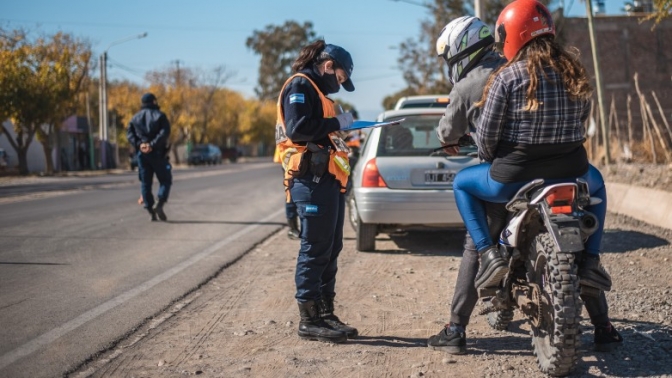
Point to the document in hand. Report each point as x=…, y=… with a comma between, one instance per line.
x=367, y=124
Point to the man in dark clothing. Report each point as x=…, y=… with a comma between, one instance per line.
x=148, y=132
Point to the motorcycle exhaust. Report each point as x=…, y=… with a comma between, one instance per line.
x=588, y=224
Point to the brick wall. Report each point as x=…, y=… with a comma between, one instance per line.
x=626, y=47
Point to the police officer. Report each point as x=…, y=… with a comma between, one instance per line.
x=316, y=174
x=148, y=132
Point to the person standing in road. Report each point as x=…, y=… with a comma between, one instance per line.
x=148, y=132
x=470, y=66
x=315, y=160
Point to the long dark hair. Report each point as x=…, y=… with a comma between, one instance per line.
x=546, y=52
x=311, y=54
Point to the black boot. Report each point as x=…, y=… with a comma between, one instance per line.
x=152, y=214
x=159, y=210
x=312, y=327
x=326, y=309
x=293, y=232
x=492, y=270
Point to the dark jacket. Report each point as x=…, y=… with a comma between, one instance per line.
x=149, y=125
x=304, y=118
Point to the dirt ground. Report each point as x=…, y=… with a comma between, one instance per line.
x=243, y=323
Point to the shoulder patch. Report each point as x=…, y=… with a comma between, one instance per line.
x=299, y=98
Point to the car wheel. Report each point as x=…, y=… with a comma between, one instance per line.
x=352, y=210
x=366, y=236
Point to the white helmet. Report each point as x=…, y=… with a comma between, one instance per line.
x=462, y=43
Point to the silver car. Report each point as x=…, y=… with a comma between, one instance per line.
x=403, y=179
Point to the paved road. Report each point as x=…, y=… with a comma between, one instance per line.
x=81, y=266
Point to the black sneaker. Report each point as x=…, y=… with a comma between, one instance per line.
x=607, y=338
x=449, y=340
x=493, y=269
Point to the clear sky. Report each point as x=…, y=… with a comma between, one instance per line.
x=208, y=33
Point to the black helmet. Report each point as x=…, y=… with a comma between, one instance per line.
x=148, y=99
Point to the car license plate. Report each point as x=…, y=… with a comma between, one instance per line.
x=439, y=177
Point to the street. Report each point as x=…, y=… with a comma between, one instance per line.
x=81, y=265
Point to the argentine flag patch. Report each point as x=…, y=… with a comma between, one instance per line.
x=298, y=98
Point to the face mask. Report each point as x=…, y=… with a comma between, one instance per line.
x=331, y=83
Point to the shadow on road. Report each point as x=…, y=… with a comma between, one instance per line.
x=390, y=341
x=29, y=263
x=223, y=222
x=620, y=241
x=420, y=243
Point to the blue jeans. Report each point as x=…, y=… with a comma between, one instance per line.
x=149, y=165
x=321, y=208
x=473, y=186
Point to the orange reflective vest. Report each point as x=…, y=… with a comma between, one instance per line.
x=289, y=153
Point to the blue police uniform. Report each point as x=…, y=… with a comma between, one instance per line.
x=150, y=125
x=320, y=205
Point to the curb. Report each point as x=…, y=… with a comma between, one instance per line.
x=652, y=206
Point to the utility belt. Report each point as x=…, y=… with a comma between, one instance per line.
x=298, y=160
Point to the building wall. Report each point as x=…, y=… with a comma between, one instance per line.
x=35, y=156
x=627, y=47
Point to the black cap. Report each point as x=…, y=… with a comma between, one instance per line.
x=148, y=98
x=344, y=61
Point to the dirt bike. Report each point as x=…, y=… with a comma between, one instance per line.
x=543, y=242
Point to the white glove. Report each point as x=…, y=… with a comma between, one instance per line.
x=345, y=120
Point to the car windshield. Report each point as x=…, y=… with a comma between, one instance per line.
x=200, y=149
x=416, y=136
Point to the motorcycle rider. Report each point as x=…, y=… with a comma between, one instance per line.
x=449, y=45
x=469, y=66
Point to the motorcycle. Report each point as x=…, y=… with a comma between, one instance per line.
x=544, y=242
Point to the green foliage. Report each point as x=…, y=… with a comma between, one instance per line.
x=278, y=46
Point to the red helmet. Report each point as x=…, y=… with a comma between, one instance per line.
x=519, y=23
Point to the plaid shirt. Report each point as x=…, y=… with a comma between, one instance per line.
x=557, y=120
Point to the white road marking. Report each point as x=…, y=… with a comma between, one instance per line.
x=51, y=336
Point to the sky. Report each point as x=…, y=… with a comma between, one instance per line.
x=204, y=34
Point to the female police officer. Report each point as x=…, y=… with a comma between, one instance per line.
x=316, y=174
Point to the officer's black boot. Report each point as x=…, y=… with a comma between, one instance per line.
x=313, y=327
x=293, y=224
x=152, y=214
x=326, y=309
x=158, y=209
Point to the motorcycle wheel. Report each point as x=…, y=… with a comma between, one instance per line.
x=555, y=329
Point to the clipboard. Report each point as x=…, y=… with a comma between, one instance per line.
x=370, y=124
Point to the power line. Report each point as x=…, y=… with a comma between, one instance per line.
x=186, y=28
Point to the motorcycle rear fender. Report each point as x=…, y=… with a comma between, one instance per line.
x=564, y=230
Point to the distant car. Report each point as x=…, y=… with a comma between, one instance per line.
x=427, y=101
x=403, y=179
x=205, y=154
x=232, y=153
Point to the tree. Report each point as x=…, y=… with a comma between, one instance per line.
x=39, y=84
x=663, y=10
x=64, y=64
x=278, y=46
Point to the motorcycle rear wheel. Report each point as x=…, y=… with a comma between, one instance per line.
x=555, y=332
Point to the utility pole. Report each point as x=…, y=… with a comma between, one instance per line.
x=479, y=8
x=598, y=82
x=104, y=124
